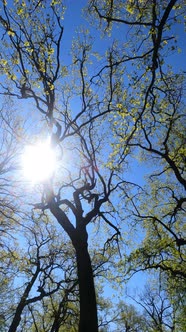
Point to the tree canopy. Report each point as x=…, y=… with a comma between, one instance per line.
x=112, y=109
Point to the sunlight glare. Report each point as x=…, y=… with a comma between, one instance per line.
x=39, y=162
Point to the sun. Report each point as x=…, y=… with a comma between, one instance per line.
x=38, y=162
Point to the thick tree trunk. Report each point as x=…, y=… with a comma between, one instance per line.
x=79, y=237
x=88, y=308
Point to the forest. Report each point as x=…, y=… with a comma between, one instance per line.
x=92, y=166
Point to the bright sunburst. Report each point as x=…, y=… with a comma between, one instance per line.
x=38, y=162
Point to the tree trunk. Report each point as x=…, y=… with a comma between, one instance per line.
x=79, y=237
x=19, y=310
x=88, y=308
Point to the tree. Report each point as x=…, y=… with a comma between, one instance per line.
x=149, y=123
x=137, y=110
x=8, y=165
x=162, y=309
x=34, y=40
x=9, y=210
x=37, y=274
x=129, y=319
x=157, y=309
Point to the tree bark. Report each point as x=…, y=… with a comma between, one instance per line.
x=88, y=308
